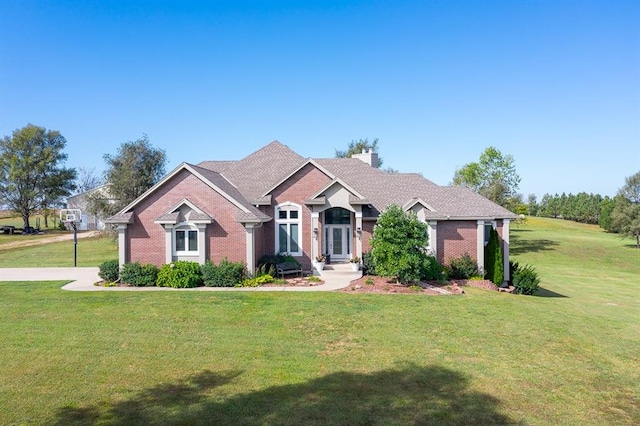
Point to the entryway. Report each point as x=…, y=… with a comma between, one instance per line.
x=338, y=241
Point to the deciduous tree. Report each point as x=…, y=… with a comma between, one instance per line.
x=32, y=175
x=87, y=179
x=135, y=168
x=626, y=213
x=494, y=176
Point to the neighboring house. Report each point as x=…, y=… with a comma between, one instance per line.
x=90, y=222
x=275, y=201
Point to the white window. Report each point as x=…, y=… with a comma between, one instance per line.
x=288, y=229
x=185, y=240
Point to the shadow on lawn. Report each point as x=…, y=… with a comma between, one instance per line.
x=543, y=292
x=414, y=395
x=521, y=245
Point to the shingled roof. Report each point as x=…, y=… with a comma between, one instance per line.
x=256, y=173
x=247, y=183
x=260, y=171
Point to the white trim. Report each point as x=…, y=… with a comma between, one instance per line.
x=185, y=227
x=415, y=201
x=432, y=244
x=480, y=244
x=122, y=244
x=168, y=243
x=250, y=255
x=505, y=248
x=288, y=221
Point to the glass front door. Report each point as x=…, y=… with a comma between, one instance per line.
x=337, y=240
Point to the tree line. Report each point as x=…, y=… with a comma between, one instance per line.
x=620, y=214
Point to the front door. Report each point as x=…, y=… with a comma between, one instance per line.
x=338, y=241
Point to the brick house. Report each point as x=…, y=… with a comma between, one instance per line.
x=276, y=201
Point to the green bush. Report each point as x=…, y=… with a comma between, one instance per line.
x=525, y=280
x=398, y=244
x=513, y=267
x=226, y=274
x=180, y=274
x=255, y=282
x=368, y=267
x=493, y=262
x=109, y=270
x=431, y=270
x=139, y=275
x=463, y=268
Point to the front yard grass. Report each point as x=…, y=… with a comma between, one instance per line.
x=91, y=252
x=569, y=356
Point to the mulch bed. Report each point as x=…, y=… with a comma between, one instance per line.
x=375, y=284
x=295, y=282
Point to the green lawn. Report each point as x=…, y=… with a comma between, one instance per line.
x=91, y=252
x=570, y=357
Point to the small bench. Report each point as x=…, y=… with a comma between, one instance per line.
x=288, y=268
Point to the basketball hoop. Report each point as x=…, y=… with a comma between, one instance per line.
x=72, y=217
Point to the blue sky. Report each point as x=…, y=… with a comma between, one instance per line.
x=556, y=84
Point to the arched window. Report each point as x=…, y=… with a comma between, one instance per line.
x=185, y=240
x=288, y=221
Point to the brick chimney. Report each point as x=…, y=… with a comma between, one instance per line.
x=369, y=157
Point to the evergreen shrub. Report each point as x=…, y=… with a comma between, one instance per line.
x=526, y=280
x=109, y=270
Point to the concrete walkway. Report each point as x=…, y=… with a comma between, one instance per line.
x=335, y=277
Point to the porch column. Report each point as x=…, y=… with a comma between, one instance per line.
x=505, y=248
x=168, y=243
x=202, y=243
x=480, y=245
x=122, y=244
x=315, y=235
x=433, y=237
x=250, y=248
x=359, y=234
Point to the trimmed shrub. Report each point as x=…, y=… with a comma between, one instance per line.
x=139, y=275
x=525, y=280
x=180, y=274
x=368, y=267
x=493, y=262
x=226, y=274
x=431, y=270
x=109, y=270
x=463, y=268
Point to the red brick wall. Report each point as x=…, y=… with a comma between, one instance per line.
x=225, y=237
x=296, y=189
x=455, y=238
x=367, y=233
